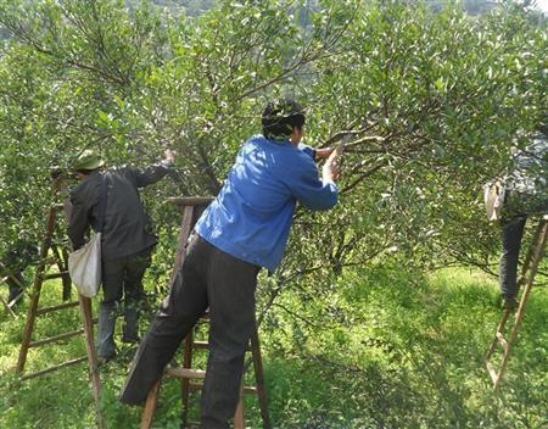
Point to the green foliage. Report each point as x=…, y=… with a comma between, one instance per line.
x=432, y=101
x=385, y=347
x=393, y=348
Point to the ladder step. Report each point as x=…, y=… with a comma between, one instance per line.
x=205, y=345
x=55, y=368
x=503, y=342
x=54, y=275
x=186, y=372
x=16, y=299
x=13, y=279
x=45, y=310
x=251, y=390
x=56, y=338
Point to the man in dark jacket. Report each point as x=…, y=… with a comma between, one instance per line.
x=109, y=202
x=245, y=228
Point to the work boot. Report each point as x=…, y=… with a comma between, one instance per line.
x=106, y=348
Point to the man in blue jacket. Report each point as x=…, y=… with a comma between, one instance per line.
x=245, y=228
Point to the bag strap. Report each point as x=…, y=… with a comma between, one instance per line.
x=103, y=201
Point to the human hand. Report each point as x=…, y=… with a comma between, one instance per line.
x=323, y=152
x=330, y=169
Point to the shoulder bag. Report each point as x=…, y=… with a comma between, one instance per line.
x=84, y=264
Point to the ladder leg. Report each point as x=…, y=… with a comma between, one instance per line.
x=37, y=288
x=530, y=253
x=61, y=258
x=519, y=316
x=259, y=378
x=500, y=329
x=529, y=271
x=185, y=382
x=239, y=416
x=85, y=309
x=535, y=253
x=150, y=406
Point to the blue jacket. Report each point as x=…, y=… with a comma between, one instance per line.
x=251, y=217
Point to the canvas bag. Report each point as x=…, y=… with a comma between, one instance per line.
x=493, y=194
x=84, y=267
x=84, y=264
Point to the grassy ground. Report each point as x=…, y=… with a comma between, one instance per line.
x=382, y=348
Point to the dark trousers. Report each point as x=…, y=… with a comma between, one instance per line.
x=122, y=278
x=518, y=208
x=209, y=278
x=512, y=234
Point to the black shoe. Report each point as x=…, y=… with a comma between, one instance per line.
x=509, y=303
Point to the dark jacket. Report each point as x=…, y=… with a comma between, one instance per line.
x=127, y=228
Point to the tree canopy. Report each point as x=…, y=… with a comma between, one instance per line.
x=432, y=102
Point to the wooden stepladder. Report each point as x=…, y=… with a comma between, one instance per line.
x=49, y=257
x=527, y=277
x=191, y=208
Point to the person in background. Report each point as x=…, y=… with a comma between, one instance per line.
x=526, y=195
x=15, y=261
x=108, y=200
x=245, y=228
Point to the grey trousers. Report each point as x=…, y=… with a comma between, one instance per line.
x=122, y=278
x=209, y=278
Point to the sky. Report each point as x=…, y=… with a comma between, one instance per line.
x=543, y=5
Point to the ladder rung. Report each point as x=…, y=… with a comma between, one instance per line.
x=16, y=300
x=492, y=372
x=205, y=345
x=56, y=338
x=185, y=372
x=251, y=390
x=56, y=307
x=55, y=275
x=503, y=342
x=55, y=368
